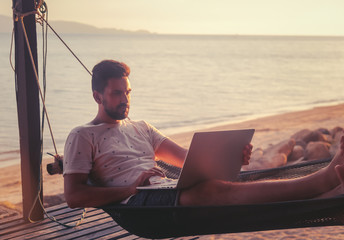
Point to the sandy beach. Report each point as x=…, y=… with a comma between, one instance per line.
x=269, y=130
x=272, y=129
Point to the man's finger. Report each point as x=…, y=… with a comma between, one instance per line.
x=249, y=146
x=158, y=171
x=143, y=179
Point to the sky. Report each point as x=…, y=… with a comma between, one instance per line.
x=252, y=17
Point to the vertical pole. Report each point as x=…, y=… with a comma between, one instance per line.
x=28, y=110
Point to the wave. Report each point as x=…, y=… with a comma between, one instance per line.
x=8, y=158
x=6, y=155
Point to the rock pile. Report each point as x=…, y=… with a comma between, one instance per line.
x=305, y=145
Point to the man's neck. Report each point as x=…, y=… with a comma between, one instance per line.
x=98, y=120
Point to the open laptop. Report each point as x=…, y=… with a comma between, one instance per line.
x=212, y=155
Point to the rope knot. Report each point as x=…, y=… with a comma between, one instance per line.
x=39, y=5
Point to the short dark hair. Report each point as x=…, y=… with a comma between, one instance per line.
x=105, y=70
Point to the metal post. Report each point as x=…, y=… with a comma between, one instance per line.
x=28, y=111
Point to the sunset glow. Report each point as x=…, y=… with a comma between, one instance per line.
x=262, y=17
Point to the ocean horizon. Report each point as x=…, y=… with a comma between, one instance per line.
x=181, y=82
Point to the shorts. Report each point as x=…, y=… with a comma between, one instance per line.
x=158, y=197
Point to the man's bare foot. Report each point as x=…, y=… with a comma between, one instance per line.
x=340, y=174
x=340, y=188
x=332, y=173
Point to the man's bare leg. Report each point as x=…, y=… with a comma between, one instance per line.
x=217, y=192
x=340, y=188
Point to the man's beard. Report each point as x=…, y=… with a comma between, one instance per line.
x=118, y=113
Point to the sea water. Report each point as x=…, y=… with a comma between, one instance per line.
x=180, y=82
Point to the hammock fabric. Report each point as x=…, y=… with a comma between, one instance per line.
x=163, y=222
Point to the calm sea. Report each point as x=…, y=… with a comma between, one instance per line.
x=181, y=82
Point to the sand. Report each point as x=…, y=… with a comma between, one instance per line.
x=269, y=130
x=273, y=129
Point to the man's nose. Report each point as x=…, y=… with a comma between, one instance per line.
x=125, y=98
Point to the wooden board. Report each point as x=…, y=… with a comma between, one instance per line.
x=96, y=225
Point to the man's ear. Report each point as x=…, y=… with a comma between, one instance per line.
x=97, y=97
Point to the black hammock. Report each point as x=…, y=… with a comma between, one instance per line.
x=163, y=222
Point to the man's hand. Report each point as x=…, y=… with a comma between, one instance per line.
x=143, y=179
x=247, y=154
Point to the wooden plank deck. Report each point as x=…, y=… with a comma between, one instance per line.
x=96, y=225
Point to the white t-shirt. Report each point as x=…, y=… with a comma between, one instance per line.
x=112, y=154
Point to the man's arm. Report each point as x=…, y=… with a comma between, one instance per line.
x=79, y=194
x=170, y=152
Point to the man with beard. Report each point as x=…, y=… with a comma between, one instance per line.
x=108, y=158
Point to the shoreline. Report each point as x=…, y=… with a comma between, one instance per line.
x=10, y=158
x=197, y=127
x=283, y=125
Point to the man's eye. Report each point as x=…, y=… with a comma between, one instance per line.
x=115, y=94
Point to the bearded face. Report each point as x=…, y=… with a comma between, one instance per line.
x=118, y=112
x=115, y=99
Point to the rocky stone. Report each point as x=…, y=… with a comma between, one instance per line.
x=297, y=153
x=315, y=136
x=300, y=135
x=274, y=156
x=317, y=150
x=335, y=130
x=301, y=143
x=329, y=138
x=324, y=131
x=336, y=142
x=309, y=136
